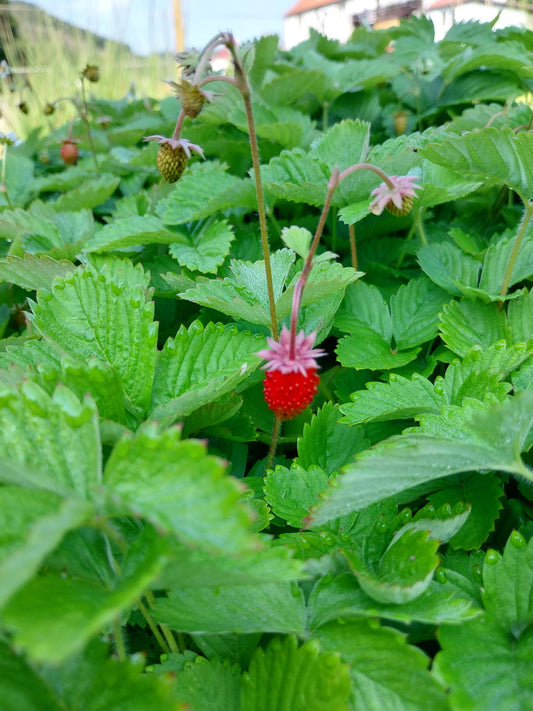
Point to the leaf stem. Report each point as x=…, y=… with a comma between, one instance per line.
x=152, y=625
x=528, y=213
x=273, y=442
x=119, y=640
x=244, y=88
x=85, y=119
x=353, y=246
x=165, y=629
x=4, y=184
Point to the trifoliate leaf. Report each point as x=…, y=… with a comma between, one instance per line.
x=328, y=443
x=268, y=607
x=200, y=365
x=106, y=314
x=398, y=399
x=387, y=673
x=32, y=523
x=284, y=676
x=206, y=249
x=67, y=458
x=178, y=488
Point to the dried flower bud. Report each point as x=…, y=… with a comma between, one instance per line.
x=91, y=72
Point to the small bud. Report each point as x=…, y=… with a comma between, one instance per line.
x=23, y=107
x=48, y=109
x=92, y=73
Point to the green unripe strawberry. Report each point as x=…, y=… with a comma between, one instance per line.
x=192, y=100
x=173, y=155
x=407, y=204
x=171, y=162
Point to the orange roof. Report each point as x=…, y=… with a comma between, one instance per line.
x=306, y=5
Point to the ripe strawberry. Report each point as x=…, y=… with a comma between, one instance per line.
x=288, y=394
x=173, y=155
x=291, y=381
x=69, y=152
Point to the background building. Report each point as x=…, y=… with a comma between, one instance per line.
x=338, y=18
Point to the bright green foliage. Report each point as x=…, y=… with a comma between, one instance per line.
x=68, y=460
x=498, y=155
x=177, y=487
x=141, y=509
x=32, y=522
x=487, y=662
x=201, y=364
x=292, y=492
x=206, y=250
x=129, y=231
x=483, y=492
x=106, y=314
x=32, y=272
x=327, y=442
x=387, y=673
x=266, y=607
x=301, y=679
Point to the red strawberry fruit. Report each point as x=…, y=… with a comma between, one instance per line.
x=291, y=381
x=69, y=152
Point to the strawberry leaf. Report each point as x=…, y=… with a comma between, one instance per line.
x=387, y=673
x=328, y=443
x=68, y=459
x=31, y=272
x=206, y=249
x=105, y=314
x=32, y=523
x=129, y=231
x=466, y=323
x=399, y=399
x=267, y=607
x=291, y=493
x=89, y=194
x=200, y=365
x=483, y=493
x=303, y=679
x=178, y=488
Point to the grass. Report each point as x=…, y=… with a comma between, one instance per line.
x=47, y=56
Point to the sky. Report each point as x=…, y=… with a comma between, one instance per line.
x=148, y=25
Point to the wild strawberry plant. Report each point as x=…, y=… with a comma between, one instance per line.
x=179, y=528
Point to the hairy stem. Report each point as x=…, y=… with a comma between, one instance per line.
x=120, y=646
x=528, y=213
x=179, y=124
x=85, y=119
x=273, y=442
x=353, y=246
x=244, y=88
x=165, y=629
x=153, y=627
x=302, y=280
